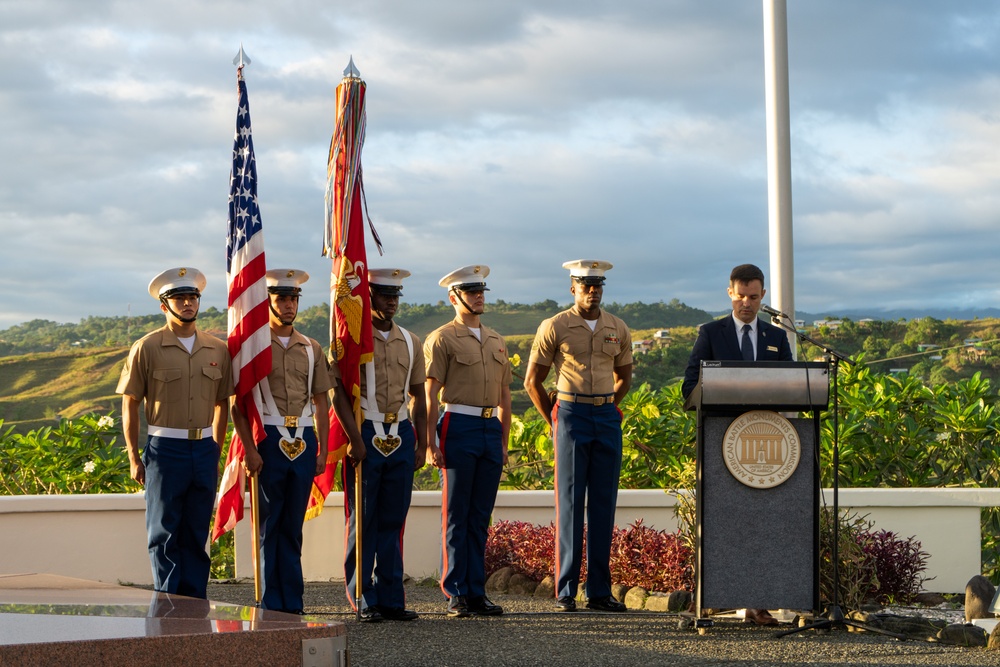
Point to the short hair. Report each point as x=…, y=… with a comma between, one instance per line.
x=745, y=273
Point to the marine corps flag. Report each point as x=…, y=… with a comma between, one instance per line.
x=344, y=243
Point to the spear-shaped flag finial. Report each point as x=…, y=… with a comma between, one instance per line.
x=241, y=58
x=351, y=71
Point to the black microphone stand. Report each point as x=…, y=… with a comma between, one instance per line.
x=834, y=616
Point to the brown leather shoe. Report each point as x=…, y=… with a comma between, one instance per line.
x=760, y=617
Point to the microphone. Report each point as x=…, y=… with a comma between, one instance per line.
x=772, y=312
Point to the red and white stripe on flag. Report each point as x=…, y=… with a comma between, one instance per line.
x=249, y=333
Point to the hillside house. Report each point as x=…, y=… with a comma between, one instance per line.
x=642, y=346
x=975, y=353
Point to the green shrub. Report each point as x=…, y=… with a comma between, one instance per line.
x=894, y=431
x=77, y=456
x=658, y=442
x=530, y=456
x=224, y=556
x=897, y=432
x=857, y=573
x=875, y=566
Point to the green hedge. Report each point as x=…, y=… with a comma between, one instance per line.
x=895, y=431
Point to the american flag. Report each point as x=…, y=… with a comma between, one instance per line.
x=249, y=334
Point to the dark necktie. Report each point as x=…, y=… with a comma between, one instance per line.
x=745, y=345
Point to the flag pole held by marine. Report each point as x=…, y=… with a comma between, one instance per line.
x=344, y=243
x=249, y=338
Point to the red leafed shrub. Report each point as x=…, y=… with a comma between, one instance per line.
x=527, y=548
x=654, y=559
x=640, y=556
x=899, y=564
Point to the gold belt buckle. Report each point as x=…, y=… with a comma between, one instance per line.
x=291, y=422
x=292, y=448
x=388, y=444
x=487, y=413
x=194, y=433
x=600, y=400
x=390, y=417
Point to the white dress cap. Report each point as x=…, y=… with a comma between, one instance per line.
x=387, y=280
x=285, y=281
x=588, y=271
x=179, y=280
x=470, y=278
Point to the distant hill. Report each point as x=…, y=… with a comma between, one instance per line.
x=507, y=318
x=907, y=314
x=36, y=389
x=891, y=315
x=51, y=370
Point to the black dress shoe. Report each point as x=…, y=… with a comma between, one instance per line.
x=481, y=606
x=606, y=603
x=760, y=617
x=458, y=607
x=566, y=603
x=370, y=615
x=397, y=614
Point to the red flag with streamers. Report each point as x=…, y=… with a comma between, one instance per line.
x=344, y=242
x=249, y=334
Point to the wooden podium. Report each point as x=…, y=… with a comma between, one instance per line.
x=758, y=486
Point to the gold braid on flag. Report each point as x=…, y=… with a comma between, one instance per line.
x=343, y=242
x=315, y=508
x=343, y=166
x=345, y=152
x=350, y=304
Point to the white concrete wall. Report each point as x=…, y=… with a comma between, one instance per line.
x=98, y=536
x=102, y=537
x=945, y=521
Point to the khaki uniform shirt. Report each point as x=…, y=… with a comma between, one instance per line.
x=290, y=372
x=181, y=390
x=472, y=373
x=392, y=361
x=585, y=360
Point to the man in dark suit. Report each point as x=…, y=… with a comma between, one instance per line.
x=739, y=336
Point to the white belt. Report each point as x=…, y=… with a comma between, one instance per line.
x=291, y=445
x=287, y=422
x=386, y=443
x=471, y=410
x=181, y=433
x=387, y=417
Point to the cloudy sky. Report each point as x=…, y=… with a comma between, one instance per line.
x=519, y=134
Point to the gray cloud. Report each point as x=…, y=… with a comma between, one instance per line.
x=518, y=134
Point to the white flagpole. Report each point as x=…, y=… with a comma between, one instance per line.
x=779, y=160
